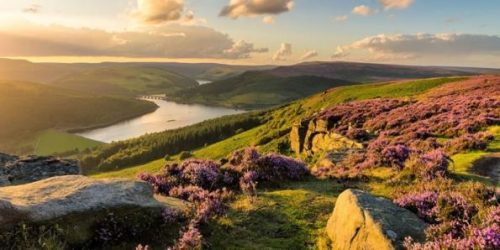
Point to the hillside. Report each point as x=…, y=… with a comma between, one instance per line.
x=370, y=72
x=271, y=87
x=29, y=109
x=22, y=70
x=126, y=81
x=254, y=90
x=408, y=131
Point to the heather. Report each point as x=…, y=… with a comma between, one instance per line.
x=407, y=156
x=208, y=186
x=418, y=133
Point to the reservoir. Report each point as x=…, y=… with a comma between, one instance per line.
x=169, y=115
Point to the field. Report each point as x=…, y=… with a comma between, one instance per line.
x=53, y=142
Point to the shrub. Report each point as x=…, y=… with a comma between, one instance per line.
x=185, y=155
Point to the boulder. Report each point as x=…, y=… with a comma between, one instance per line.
x=363, y=221
x=314, y=135
x=34, y=168
x=78, y=202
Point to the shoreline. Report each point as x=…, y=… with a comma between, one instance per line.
x=127, y=118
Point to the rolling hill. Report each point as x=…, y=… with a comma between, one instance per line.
x=254, y=90
x=371, y=72
x=29, y=109
x=126, y=80
x=266, y=88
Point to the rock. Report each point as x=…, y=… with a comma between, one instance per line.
x=311, y=136
x=78, y=202
x=34, y=168
x=4, y=158
x=363, y=221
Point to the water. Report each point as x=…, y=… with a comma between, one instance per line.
x=203, y=82
x=169, y=115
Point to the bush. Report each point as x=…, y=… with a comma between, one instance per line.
x=185, y=155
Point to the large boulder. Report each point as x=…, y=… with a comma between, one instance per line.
x=312, y=136
x=14, y=170
x=78, y=202
x=363, y=221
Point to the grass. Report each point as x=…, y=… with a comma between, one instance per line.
x=52, y=142
x=215, y=151
x=463, y=162
x=293, y=216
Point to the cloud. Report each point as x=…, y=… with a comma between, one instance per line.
x=242, y=49
x=248, y=8
x=33, y=8
x=283, y=52
x=268, y=19
x=341, y=18
x=168, y=41
x=308, y=55
x=362, y=10
x=404, y=46
x=396, y=4
x=340, y=52
x=161, y=11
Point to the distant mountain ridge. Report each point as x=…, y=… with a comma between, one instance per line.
x=372, y=72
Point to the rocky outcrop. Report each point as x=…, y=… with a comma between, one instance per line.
x=14, y=170
x=363, y=221
x=78, y=202
x=314, y=135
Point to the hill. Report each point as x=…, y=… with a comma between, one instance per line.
x=266, y=88
x=22, y=70
x=29, y=109
x=126, y=80
x=409, y=131
x=370, y=72
x=254, y=90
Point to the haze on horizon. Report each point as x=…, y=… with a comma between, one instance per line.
x=419, y=32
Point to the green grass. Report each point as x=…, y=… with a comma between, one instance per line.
x=463, y=162
x=54, y=142
x=293, y=216
x=215, y=151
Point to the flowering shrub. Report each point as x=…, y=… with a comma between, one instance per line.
x=160, y=183
x=433, y=164
x=396, y=155
x=202, y=173
x=270, y=167
x=248, y=183
x=477, y=141
x=485, y=235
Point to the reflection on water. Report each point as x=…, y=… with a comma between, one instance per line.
x=203, y=82
x=169, y=115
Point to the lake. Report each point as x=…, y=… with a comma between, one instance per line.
x=169, y=115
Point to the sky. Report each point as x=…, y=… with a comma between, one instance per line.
x=418, y=32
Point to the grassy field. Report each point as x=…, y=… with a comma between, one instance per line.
x=52, y=142
x=292, y=216
x=462, y=163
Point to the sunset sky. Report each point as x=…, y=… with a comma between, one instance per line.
x=424, y=32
